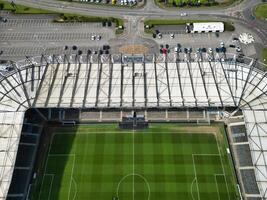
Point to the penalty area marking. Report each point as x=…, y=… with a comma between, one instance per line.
x=134, y=174
x=71, y=177
x=194, y=180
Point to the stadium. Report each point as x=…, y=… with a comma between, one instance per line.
x=206, y=137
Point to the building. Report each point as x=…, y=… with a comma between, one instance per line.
x=205, y=27
x=109, y=82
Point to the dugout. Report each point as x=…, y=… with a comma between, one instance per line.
x=133, y=122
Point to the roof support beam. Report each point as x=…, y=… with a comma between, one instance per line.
x=227, y=81
x=180, y=83
x=63, y=85
x=204, y=82
x=110, y=81
x=121, y=92
x=216, y=83
x=6, y=95
x=40, y=85
x=264, y=76
x=51, y=86
x=75, y=84
x=133, y=85
x=88, y=74
x=191, y=81
x=98, y=82
x=12, y=86
x=248, y=76
x=145, y=83
x=32, y=77
x=23, y=86
x=168, y=82
x=257, y=97
x=156, y=82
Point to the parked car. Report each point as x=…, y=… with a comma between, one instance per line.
x=210, y=50
x=93, y=37
x=238, y=49
x=98, y=37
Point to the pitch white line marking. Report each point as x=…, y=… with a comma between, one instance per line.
x=71, y=177
x=192, y=188
x=49, y=149
x=139, y=175
x=133, y=164
x=196, y=176
x=217, y=187
x=223, y=168
x=51, y=185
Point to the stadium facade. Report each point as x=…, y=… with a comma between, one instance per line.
x=141, y=82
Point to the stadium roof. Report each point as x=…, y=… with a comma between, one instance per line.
x=111, y=82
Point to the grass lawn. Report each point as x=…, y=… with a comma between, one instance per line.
x=166, y=161
x=19, y=9
x=261, y=11
x=264, y=55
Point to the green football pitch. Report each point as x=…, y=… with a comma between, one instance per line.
x=164, y=162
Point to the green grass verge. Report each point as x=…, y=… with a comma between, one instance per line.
x=166, y=161
x=82, y=18
x=19, y=9
x=264, y=55
x=261, y=11
x=193, y=3
x=157, y=22
x=66, y=18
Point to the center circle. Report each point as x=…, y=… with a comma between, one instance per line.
x=133, y=186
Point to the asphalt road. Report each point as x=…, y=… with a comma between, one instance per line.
x=25, y=35
x=241, y=12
